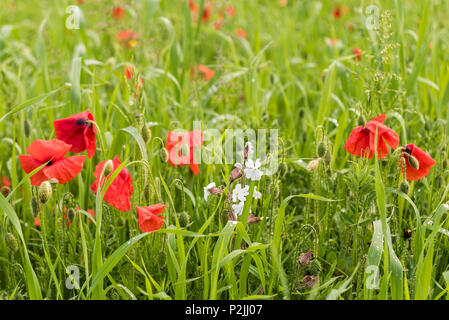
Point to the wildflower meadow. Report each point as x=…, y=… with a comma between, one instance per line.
x=224, y=150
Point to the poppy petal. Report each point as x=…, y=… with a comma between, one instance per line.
x=45, y=150
x=65, y=169
x=358, y=142
x=426, y=162
x=28, y=164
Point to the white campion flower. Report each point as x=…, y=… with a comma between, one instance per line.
x=256, y=194
x=207, y=188
x=239, y=193
x=252, y=171
x=238, y=165
x=238, y=208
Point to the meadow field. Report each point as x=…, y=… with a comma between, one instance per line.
x=224, y=150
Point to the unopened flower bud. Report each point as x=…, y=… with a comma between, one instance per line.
x=45, y=191
x=27, y=127
x=146, y=134
x=404, y=187
x=35, y=207
x=108, y=167
x=183, y=219
x=414, y=163
x=236, y=174
x=164, y=154
x=321, y=149
x=185, y=150
x=327, y=158
x=216, y=191
x=252, y=219
x=11, y=242
x=304, y=258
x=248, y=150
x=71, y=215
x=315, y=267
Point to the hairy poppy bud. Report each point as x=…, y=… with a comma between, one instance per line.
x=314, y=164
x=327, y=158
x=183, y=219
x=321, y=149
x=27, y=127
x=361, y=121
x=404, y=187
x=108, y=168
x=414, y=163
x=71, y=215
x=146, y=134
x=11, y=242
x=34, y=207
x=45, y=191
x=164, y=154
x=315, y=267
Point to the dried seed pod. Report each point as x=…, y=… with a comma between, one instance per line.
x=45, y=191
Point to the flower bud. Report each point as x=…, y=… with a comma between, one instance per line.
x=252, y=219
x=11, y=242
x=35, y=207
x=183, y=219
x=304, y=258
x=315, y=267
x=414, y=163
x=327, y=158
x=321, y=149
x=236, y=174
x=314, y=164
x=27, y=127
x=164, y=154
x=146, y=134
x=248, y=150
x=404, y=187
x=216, y=191
x=71, y=215
x=45, y=191
x=185, y=150
x=108, y=168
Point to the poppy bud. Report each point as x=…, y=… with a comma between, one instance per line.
x=146, y=134
x=11, y=242
x=414, y=163
x=35, y=207
x=314, y=164
x=183, y=219
x=321, y=149
x=236, y=174
x=45, y=191
x=54, y=182
x=71, y=215
x=27, y=128
x=185, y=150
x=361, y=121
x=315, y=267
x=164, y=154
x=108, y=168
x=327, y=158
x=404, y=187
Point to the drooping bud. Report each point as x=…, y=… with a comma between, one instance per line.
x=248, y=150
x=71, y=215
x=164, y=154
x=45, y=191
x=35, y=207
x=414, y=163
x=146, y=133
x=27, y=127
x=309, y=281
x=321, y=149
x=236, y=174
x=252, y=219
x=108, y=167
x=327, y=158
x=404, y=187
x=183, y=219
x=11, y=242
x=314, y=164
x=315, y=267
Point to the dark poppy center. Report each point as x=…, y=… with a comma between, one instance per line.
x=365, y=131
x=83, y=122
x=407, y=149
x=49, y=163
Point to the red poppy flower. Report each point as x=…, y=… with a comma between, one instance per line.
x=129, y=72
x=60, y=168
x=37, y=222
x=5, y=185
x=425, y=162
x=207, y=10
x=181, y=147
x=241, y=33
x=149, y=220
x=118, y=13
x=358, y=53
x=193, y=6
x=361, y=140
x=205, y=73
x=336, y=12
x=128, y=38
x=230, y=11
x=120, y=191
x=78, y=131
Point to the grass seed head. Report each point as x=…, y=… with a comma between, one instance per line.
x=11, y=242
